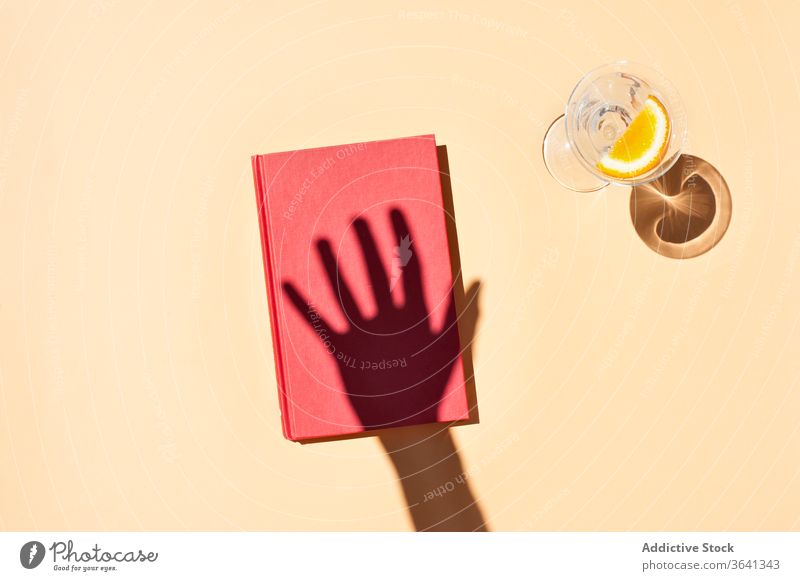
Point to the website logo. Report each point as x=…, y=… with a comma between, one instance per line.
x=402, y=255
x=31, y=554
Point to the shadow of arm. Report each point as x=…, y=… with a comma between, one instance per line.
x=433, y=479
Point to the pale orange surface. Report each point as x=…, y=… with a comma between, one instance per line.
x=618, y=389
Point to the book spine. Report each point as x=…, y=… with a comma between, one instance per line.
x=272, y=290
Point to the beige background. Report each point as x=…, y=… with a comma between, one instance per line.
x=618, y=389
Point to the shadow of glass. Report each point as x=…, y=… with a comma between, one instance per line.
x=684, y=213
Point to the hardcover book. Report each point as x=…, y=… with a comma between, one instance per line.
x=360, y=287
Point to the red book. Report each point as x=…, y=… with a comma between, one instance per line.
x=360, y=287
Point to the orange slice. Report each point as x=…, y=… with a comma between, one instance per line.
x=643, y=144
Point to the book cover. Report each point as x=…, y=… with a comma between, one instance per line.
x=360, y=287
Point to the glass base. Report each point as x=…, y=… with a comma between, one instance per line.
x=562, y=163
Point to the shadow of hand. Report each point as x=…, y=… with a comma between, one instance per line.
x=394, y=365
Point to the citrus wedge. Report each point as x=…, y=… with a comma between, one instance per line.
x=643, y=144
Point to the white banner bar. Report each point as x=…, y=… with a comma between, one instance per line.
x=349, y=556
